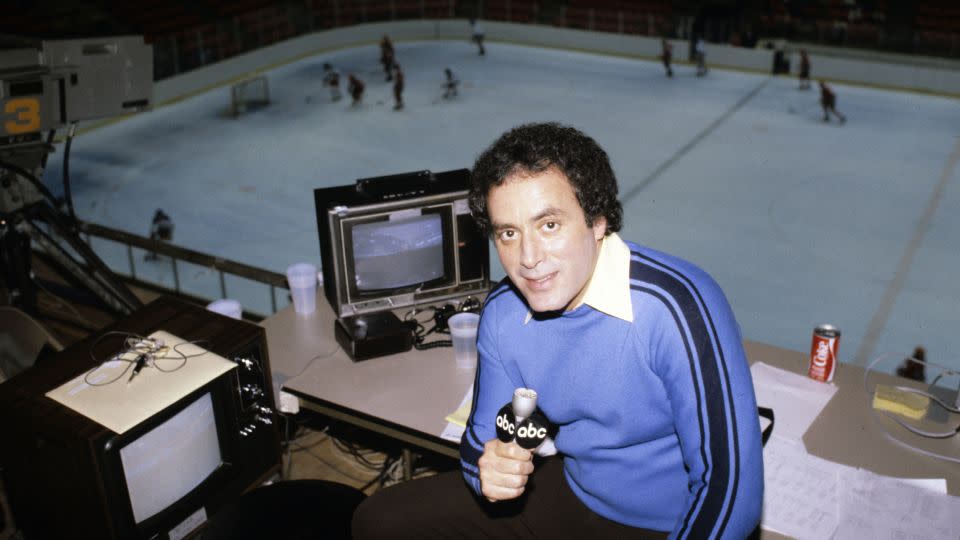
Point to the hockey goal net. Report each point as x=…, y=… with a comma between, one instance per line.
x=249, y=94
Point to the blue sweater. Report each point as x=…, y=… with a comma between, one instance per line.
x=657, y=417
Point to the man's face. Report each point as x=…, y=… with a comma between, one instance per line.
x=541, y=235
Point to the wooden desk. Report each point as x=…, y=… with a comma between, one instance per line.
x=403, y=396
x=846, y=431
x=406, y=396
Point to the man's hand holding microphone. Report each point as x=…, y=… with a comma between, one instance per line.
x=507, y=461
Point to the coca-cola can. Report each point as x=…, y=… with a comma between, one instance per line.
x=823, y=352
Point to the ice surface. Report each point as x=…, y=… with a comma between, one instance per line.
x=800, y=222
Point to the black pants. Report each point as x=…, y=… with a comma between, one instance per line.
x=443, y=506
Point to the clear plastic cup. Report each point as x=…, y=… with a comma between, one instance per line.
x=226, y=306
x=302, y=278
x=463, y=330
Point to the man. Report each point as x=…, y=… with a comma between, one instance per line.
x=387, y=57
x=450, y=84
x=331, y=79
x=700, y=54
x=476, y=34
x=636, y=358
x=161, y=229
x=355, y=86
x=397, y=87
x=666, y=55
x=804, y=75
x=828, y=101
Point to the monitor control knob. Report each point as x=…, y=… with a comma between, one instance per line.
x=251, y=391
x=245, y=362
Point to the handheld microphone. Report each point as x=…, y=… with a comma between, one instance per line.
x=520, y=422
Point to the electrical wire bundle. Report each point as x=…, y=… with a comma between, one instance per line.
x=439, y=316
x=383, y=470
x=136, y=352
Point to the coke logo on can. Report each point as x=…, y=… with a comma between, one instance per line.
x=823, y=352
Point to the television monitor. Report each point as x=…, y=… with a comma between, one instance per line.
x=401, y=240
x=68, y=476
x=172, y=459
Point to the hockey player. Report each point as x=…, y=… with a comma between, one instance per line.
x=667, y=55
x=397, y=87
x=387, y=56
x=828, y=100
x=700, y=53
x=161, y=229
x=355, y=86
x=450, y=84
x=476, y=33
x=331, y=79
x=804, y=75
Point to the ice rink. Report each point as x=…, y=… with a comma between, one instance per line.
x=800, y=222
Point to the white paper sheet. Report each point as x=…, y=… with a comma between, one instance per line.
x=796, y=400
x=800, y=491
x=881, y=508
x=124, y=403
x=808, y=497
x=452, y=432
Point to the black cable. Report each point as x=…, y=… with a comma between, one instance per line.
x=350, y=448
x=50, y=138
x=419, y=335
x=66, y=172
x=353, y=450
x=383, y=473
x=432, y=345
x=115, y=357
x=332, y=466
x=183, y=357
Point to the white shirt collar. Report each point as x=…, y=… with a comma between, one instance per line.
x=608, y=290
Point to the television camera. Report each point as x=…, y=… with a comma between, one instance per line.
x=45, y=88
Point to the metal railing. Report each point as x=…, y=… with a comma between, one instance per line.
x=183, y=271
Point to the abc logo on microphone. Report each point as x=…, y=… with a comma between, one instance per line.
x=532, y=431
x=506, y=423
x=528, y=433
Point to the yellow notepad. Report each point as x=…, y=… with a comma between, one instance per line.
x=459, y=416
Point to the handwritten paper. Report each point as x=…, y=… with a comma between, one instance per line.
x=882, y=508
x=800, y=496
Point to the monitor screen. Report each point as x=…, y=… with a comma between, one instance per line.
x=400, y=252
x=170, y=460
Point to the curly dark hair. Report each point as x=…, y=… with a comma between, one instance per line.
x=534, y=148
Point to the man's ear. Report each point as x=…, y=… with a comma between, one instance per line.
x=599, y=228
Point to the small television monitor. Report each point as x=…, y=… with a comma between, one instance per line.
x=68, y=476
x=159, y=476
x=400, y=240
x=171, y=458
